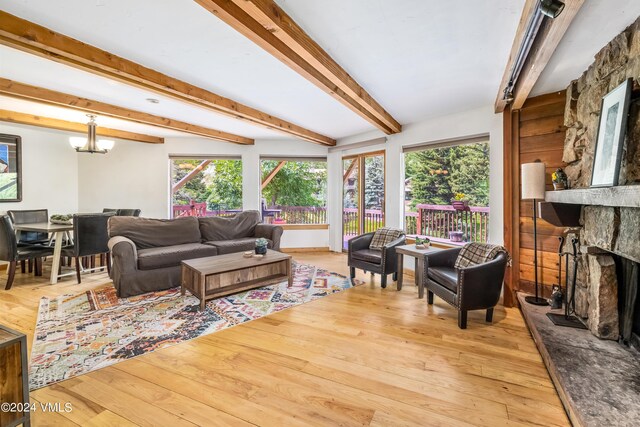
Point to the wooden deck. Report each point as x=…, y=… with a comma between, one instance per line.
x=366, y=356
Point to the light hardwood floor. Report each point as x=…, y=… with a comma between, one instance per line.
x=366, y=356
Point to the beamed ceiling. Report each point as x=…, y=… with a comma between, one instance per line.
x=239, y=70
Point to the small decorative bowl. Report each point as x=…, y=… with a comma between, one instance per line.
x=248, y=254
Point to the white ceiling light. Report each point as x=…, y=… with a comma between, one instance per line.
x=90, y=144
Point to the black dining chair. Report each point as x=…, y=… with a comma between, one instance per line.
x=129, y=212
x=12, y=253
x=30, y=216
x=90, y=239
x=122, y=212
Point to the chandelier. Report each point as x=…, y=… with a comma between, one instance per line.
x=89, y=144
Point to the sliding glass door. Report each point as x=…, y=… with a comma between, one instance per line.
x=362, y=194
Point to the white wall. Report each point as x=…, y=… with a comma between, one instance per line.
x=49, y=170
x=468, y=123
x=135, y=175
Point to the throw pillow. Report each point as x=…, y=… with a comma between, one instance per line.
x=478, y=253
x=383, y=236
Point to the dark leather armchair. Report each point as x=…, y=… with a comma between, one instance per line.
x=383, y=262
x=476, y=287
x=90, y=238
x=12, y=253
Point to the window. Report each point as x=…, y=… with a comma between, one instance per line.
x=446, y=192
x=206, y=186
x=294, y=190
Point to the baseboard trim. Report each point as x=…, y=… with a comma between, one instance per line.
x=301, y=250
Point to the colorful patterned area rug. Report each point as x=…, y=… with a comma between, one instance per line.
x=76, y=334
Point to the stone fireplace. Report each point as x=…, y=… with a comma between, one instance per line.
x=609, y=231
x=606, y=279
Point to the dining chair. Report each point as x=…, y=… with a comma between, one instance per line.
x=122, y=212
x=30, y=216
x=128, y=212
x=90, y=238
x=12, y=253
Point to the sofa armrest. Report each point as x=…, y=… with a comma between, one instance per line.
x=479, y=286
x=124, y=253
x=360, y=242
x=271, y=232
x=444, y=258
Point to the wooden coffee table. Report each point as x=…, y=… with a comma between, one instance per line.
x=216, y=276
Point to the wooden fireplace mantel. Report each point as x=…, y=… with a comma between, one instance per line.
x=621, y=196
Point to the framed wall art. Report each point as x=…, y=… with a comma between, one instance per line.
x=611, y=132
x=10, y=168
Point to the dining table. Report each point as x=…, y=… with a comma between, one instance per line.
x=58, y=232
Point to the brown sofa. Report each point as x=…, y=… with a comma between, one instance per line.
x=147, y=252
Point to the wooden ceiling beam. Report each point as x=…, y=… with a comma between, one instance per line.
x=33, y=93
x=29, y=37
x=545, y=43
x=51, y=123
x=267, y=25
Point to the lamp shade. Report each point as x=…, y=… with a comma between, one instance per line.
x=532, y=179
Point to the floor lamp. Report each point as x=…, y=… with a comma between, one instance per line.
x=532, y=179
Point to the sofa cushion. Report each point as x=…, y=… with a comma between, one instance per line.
x=446, y=276
x=236, y=245
x=217, y=228
x=368, y=255
x=153, y=233
x=171, y=256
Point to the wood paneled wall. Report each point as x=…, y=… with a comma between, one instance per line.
x=535, y=132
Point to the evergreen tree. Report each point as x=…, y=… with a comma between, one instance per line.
x=470, y=172
x=428, y=171
x=436, y=175
x=374, y=182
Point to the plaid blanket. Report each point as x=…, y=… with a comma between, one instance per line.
x=384, y=235
x=479, y=253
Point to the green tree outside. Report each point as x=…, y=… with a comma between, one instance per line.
x=297, y=183
x=436, y=175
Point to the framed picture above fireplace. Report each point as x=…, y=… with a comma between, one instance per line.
x=611, y=131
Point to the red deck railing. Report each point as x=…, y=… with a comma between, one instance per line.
x=435, y=221
x=439, y=220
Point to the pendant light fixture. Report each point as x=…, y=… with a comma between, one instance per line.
x=90, y=144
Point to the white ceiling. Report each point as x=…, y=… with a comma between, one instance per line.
x=418, y=58
x=597, y=23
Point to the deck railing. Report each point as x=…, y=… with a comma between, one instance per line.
x=439, y=221
x=297, y=215
x=435, y=221
x=199, y=209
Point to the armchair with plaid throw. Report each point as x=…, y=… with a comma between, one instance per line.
x=468, y=278
x=376, y=252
